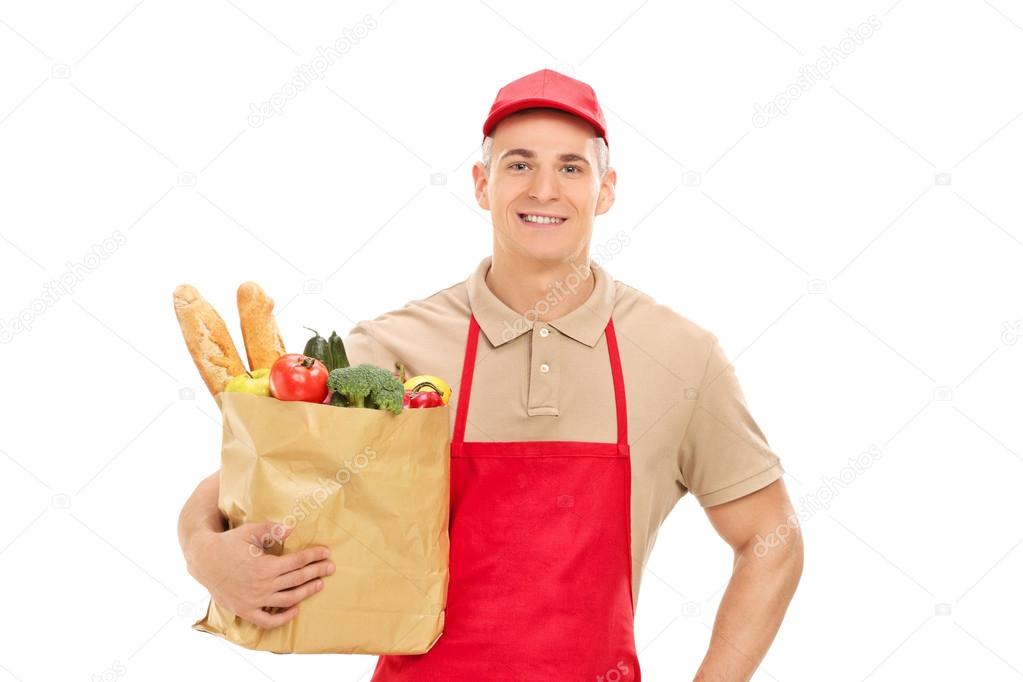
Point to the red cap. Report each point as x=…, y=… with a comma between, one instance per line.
x=546, y=88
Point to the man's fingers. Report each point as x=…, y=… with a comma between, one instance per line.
x=287, y=563
x=303, y=575
x=295, y=595
x=268, y=621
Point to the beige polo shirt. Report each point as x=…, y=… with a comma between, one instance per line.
x=689, y=426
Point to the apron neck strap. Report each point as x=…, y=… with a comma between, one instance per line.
x=469, y=365
x=619, y=382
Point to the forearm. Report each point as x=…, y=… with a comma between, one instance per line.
x=751, y=611
x=200, y=515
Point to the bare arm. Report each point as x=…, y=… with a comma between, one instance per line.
x=200, y=516
x=234, y=566
x=764, y=534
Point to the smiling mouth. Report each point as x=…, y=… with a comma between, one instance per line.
x=533, y=220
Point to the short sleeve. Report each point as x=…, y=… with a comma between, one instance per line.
x=362, y=347
x=406, y=335
x=724, y=454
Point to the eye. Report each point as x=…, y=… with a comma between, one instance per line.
x=517, y=163
x=577, y=168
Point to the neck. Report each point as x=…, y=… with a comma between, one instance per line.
x=540, y=290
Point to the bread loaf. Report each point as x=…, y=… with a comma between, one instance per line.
x=263, y=343
x=207, y=338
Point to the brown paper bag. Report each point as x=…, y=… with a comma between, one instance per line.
x=370, y=485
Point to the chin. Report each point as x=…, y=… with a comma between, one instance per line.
x=550, y=253
x=543, y=246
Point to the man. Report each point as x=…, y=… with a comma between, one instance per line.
x=584, y=411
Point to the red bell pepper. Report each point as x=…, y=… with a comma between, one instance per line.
x=416, y=398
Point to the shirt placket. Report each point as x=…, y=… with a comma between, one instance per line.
x=544, y=371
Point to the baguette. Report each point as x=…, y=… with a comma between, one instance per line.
x=207, y=338
x=263, y=343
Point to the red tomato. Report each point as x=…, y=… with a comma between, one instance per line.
x=298, y=377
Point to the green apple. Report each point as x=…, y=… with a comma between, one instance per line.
x=256, y=382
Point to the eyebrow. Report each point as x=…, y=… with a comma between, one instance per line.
x=530, y=154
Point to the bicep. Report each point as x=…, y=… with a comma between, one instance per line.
x=765, y=515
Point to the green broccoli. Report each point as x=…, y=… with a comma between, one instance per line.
x=366, y=386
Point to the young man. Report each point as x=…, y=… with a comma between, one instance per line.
x=584, y=411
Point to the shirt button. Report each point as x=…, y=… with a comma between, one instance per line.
x=544, y=331
x=544, y=368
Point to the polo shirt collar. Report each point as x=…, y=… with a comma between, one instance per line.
x=501, y=324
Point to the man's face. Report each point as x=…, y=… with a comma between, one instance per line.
x=543, y=162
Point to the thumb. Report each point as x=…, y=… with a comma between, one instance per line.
x=265, y=533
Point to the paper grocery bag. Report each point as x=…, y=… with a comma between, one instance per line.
x=370, y=485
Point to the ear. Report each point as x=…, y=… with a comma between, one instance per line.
x=480, y=179
x=606, y=199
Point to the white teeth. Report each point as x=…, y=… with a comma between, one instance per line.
x=543, y=220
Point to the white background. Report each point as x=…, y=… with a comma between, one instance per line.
x=858, y=256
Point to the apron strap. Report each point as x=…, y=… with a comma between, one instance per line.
x=469, y=366
x=619, y=383
x=465, y=385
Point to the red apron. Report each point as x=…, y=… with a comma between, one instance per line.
x=540, y=586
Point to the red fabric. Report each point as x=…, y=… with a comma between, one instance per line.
x=540, y=585
x=547, y=88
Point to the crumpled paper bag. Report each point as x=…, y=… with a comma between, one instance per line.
x=370, y=485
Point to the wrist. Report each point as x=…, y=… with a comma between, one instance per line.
x=194, y=549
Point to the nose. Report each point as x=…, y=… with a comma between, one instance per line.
x=544, y=186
